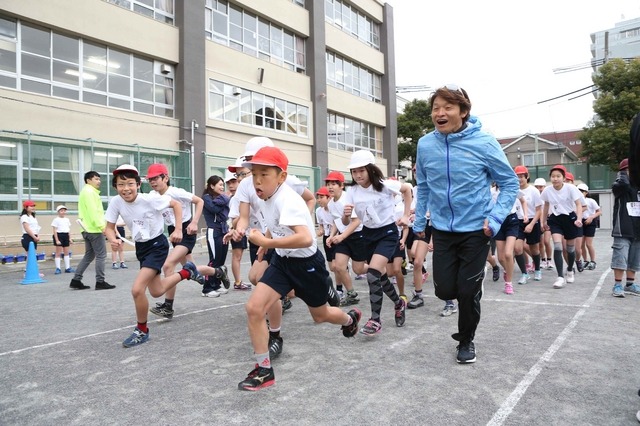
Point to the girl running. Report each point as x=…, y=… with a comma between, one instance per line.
x=589, y=225
x=372, y=198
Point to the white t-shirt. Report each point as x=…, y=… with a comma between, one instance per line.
x=592, y=208
x=185, y=198
x=532, y=196
x=284, y=209
x=31, y=221
x=62, y=224
x=143, y=216
x=561, y=201
x=324, y=219
x=375, y=209
x=336, y=208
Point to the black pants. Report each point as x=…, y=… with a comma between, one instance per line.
x=458, y=271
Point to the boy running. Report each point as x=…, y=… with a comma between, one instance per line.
x=296, y=263
x=143, y=214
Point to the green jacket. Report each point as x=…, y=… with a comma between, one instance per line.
x=90, y=210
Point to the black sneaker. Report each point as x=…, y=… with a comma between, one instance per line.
x=275, y=347
x=351, y=329
x=221, y=274
x=401, y=312
x=193, y=272
x=334, y=297
x=351, y=298
x=258, y=378
x=103, y=285
x=77, y=285
x=496, y=273
x=162, y=310
x=466, y=353
x=580, y=265
x=286, y=304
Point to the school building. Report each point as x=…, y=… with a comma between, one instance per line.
x=93, y=84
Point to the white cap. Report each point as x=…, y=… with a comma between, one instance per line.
x=361, y=158
x=254, y=144
x=60, y=207
x=237, y=164
x=583, y=187
x=125, y=168
x=540, y=182
x=229, y=176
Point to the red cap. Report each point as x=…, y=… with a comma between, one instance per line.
x=335, y=176
x=624, y=164
x=157, y=169
x=559, y=167
x=28, y=203
x=569, y=176
x=268, y=156
x=323, y=191
x=521, y=170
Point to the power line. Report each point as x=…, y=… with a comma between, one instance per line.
x=567, y=94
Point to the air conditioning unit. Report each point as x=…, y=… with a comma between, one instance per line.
x=165, y=69
x=237, y=91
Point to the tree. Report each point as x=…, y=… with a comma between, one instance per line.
x=414, y=122
x=606, y=139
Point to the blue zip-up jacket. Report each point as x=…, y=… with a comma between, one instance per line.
x=216, y=211
x=454, y=174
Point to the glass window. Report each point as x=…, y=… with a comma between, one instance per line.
x=35, y=40
x=36, y=66
x=142, y=69
x=8, y=178
x=35, y=87
x=8, y=28
x=62, y=92
x=41, y=181
x=65, y=73
x=119, y=85
x=7, y=56
x=65, y=48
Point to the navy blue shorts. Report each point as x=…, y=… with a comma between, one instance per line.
x=153, y=253
x=253, y=253
x=329, y=252
x=189, y=241
x=532, y=237
x=509, y=228
x=414, y=237
x=25, y=240
x=120, y=231
x=589, y=230
x=63, y=237
x=563, y=224
x=353, y=246
x=242, y=244
x=382, y=241
x=308, y=276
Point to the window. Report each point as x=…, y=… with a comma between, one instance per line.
x=528, y=160
x=346, y=17
x=232, y=26
x=59, y=65
x=347, y=134
x=160, y=10
x=237, y=105
x=353, y=78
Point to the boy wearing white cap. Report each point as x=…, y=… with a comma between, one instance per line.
x=61, y=239
x=143, y=214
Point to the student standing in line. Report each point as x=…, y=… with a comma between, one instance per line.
x=324, y=221
x=562, y=215
x=529, y=231
x=296, y=263
x=372, y=198
x=62, y=239
x=546, y=251
x=143, y=214
x=29, y=224
x=236, y=174
x=456, y=164
x=589, y=224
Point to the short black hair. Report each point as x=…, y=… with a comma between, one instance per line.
x=90, y=175
x=126, y=174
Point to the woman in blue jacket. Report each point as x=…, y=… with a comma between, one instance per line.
x=216, y=213
x=456, y=164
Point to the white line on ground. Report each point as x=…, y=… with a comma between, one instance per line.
x=509, y=404
x=60, y=342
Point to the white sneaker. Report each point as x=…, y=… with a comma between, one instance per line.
x=212, y=293
x=543, y=264
x=550, y=265
x=409, y=267
x=569, y=276
x=222, y=290
x=559, y=283
x=523, y=279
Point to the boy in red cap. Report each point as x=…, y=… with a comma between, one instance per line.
x=296, y=263
x=143, y=214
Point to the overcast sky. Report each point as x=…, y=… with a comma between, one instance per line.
x=503, y=54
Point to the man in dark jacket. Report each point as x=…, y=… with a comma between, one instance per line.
x=625, y=233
